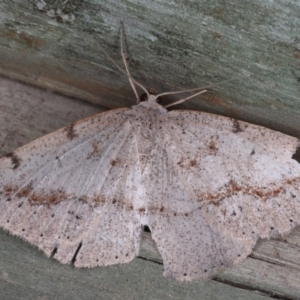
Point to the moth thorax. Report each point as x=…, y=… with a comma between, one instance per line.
x=152, y=98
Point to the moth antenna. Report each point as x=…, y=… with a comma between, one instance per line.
x=187, y=98
x=201, y=90
x=126, y=73
x=126, y=64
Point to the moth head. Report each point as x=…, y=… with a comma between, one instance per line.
x=151, y=97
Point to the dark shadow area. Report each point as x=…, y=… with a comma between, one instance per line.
x=296, y=155
x=146, y=228
x=75, y=254
x=54, y=251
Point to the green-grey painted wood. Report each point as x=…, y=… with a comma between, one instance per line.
x=171, y=45
x=26, y=273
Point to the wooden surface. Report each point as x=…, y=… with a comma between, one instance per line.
x=171, y=45
x=273, y=269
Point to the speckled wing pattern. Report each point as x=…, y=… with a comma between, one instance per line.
x=67, y=191
x=225, y=183
x=207, y=186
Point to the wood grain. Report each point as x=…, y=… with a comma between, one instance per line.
x=170, y=45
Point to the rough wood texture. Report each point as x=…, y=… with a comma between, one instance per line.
x=26, y=273
x=171, y=45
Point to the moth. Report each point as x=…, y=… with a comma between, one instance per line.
x=207, y=186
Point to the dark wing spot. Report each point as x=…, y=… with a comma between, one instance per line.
x=70, y=131
x=83, y=198
x=193, y=163
x=114, y=162
x=94, y=151
x=8, y=189
x=98, y=199
x=25, y=191
x=252, y=152
x=236, y=127
x=180, y=163
x=187, y=163
x=212, y=147
x=15, y=160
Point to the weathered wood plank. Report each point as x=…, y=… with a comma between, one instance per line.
x=171, y=45
x=27, y=113
x=277, y=279
x=26, y=273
